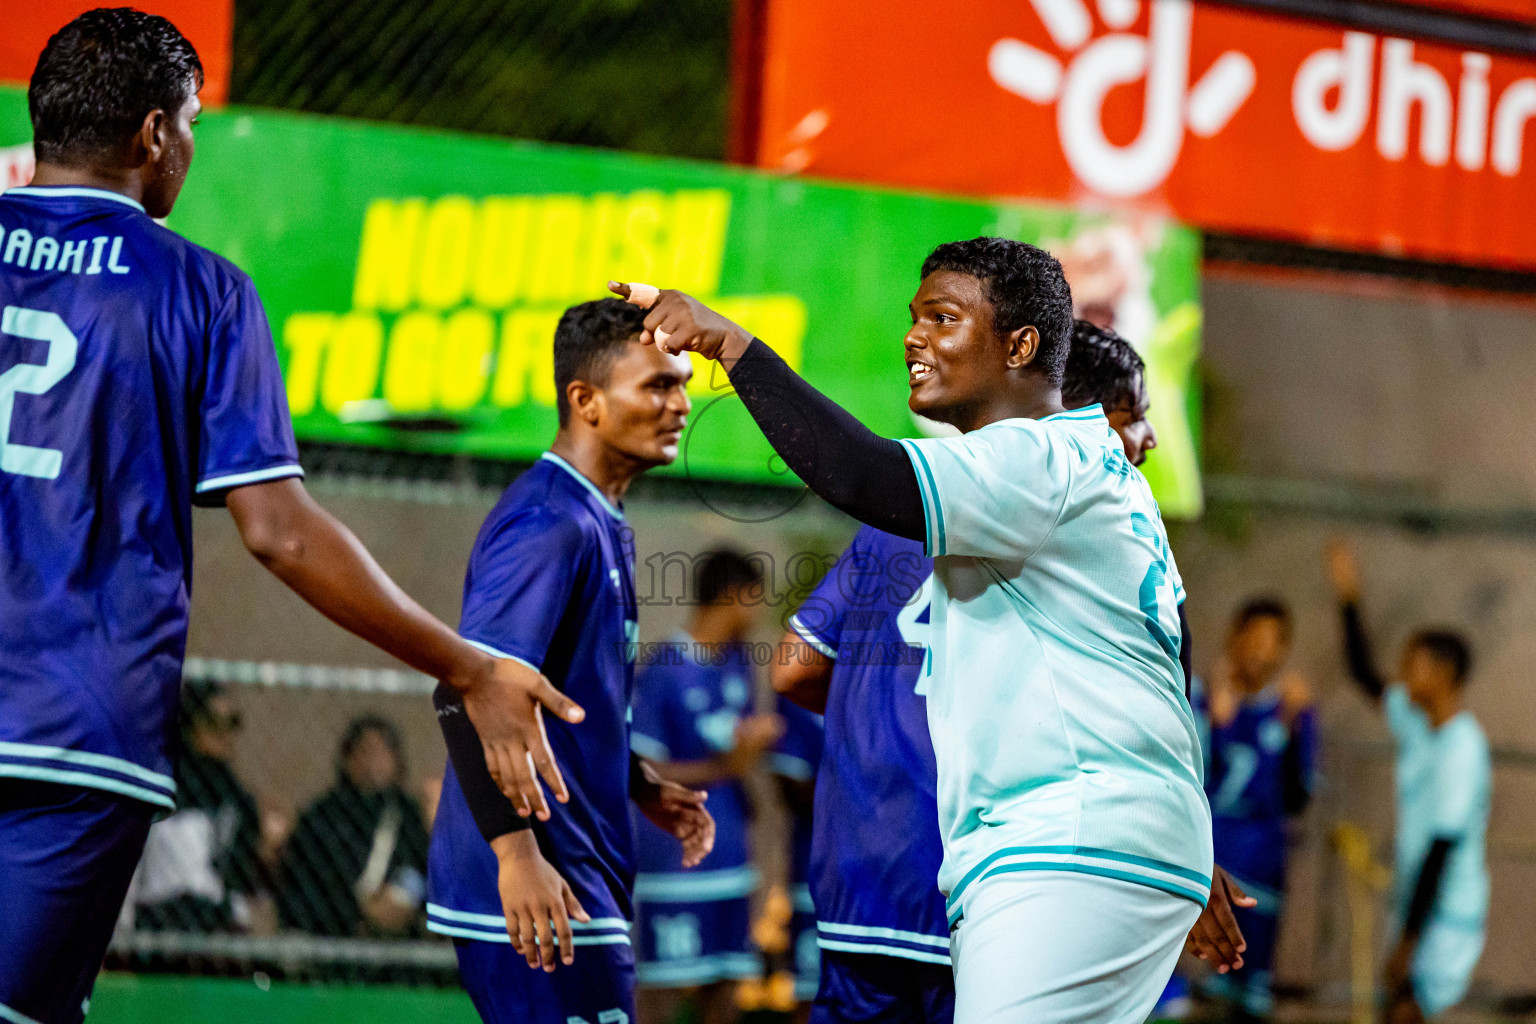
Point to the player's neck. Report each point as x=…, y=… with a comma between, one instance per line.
x=122, y=181
x=610, y=471
x=713, y=624
x=1442, y=708
x=1029, y=399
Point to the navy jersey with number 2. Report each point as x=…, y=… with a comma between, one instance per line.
x=137, y=375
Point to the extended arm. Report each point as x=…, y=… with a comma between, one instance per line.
x=324, y=563
x=1345, y=576
x=802, y=673
x=1427, y=888
x=865, y=475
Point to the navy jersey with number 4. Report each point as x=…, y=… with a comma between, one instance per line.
x=551, y=584
x=876, y=849
x=137, y=375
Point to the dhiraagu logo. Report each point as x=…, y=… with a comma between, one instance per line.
x=1079, y=82
x=455, y=299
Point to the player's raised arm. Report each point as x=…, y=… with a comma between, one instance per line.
x=1344, y=574
x=867, y=476
x=320, y=559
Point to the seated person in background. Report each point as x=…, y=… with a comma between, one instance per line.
x=357, y=861
x=202, y=865
x=1260, y=756
x=693, y=718
x=1444, y=788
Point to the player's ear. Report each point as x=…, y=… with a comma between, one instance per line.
x=1023, y=345
x=149, y=142
x=584, y=401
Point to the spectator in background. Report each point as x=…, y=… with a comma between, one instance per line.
x=693, y=717
x=1260, y=752
x=202, y=865
x=356, y=864
x=1444, y=777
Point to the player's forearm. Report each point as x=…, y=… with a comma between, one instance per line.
x=1426, y=889
x=493, y=813
x=1357, y=651
x=854, y=469
x=803, y=674
x=707, y=772
x=321, y=560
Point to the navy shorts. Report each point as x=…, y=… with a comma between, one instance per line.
x=867, y=987
x=599, y=988
x=67, y=854
x=699, y=942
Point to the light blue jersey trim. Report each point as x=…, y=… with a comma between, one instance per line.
x=597, y=924
x=497, y=653
x=811, y=638
x=502, y=937
x=859, y=931
x=700, y=970
x=647, y=747
x=71, y=192
x=15, y=1016
x=1084, y=412
x=696, y=886
x=932, y=509
x=86, y=759
x=791, y=767
x=837, y=946
x=87, y=780
x=588, y=484
x=1128, y=867
x=255, y=476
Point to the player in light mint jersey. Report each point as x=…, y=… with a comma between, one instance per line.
x=1077, y=835
x=1444, y=787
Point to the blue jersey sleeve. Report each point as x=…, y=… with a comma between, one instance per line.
x=521, y=577
x=819, y=620
x=798, y=751
x=651, y=733
x=245, y=435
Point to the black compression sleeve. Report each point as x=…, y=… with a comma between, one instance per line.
x=1295, y=786
x=1357, y=651
x=640, y=787
x=493, y=813
x=856, y=470
x=1428, y=886
x=1186, y=650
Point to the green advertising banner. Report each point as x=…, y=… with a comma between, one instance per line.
x=414, y=278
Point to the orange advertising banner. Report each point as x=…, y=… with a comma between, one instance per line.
x=209, y=24
x=1226, y=118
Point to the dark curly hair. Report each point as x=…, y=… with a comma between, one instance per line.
x=587, y=340
x=1102, y=368
x=100, y=76
x=1026, y=288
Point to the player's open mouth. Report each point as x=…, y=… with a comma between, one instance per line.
x=918, y=372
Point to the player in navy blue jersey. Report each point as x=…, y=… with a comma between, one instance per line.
x=551, y=585
x=794, y=763
x=694, y=720
x=138, y=375
x=1260, y=754
x=856, y=649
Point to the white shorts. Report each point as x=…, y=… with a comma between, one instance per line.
x=1059, y=947
x=1443, y=963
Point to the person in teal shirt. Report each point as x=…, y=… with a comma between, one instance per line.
x=1444, y=784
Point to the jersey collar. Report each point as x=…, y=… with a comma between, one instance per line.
x=1087, y=412
x=72, y=192
x=611, y=508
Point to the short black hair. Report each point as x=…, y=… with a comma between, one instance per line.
x=1102, y=368
x=1026, y=288
x=1449, y=648
x=361, y=726
x=720, y=571
x=587, y=340
x=1262, y=608
x=101, y=75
